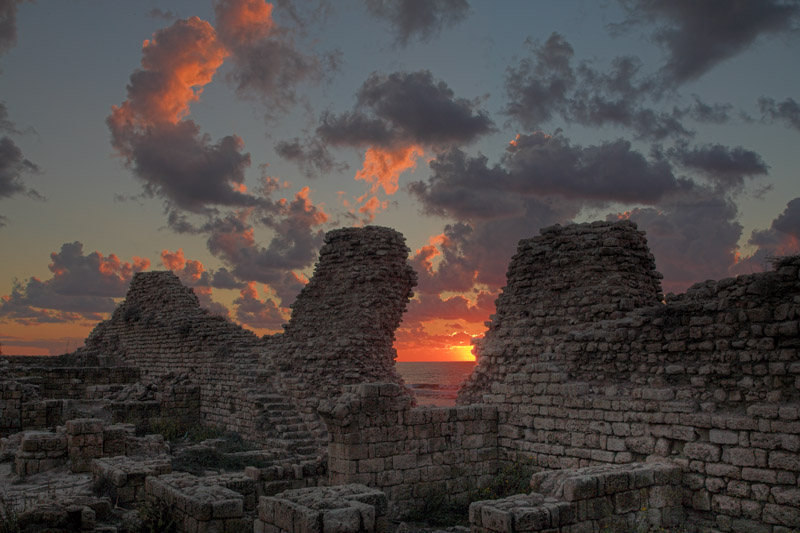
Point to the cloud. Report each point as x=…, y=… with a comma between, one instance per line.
x=12, y=166
x=693, y=237
x=311, y=156
x=547, y=84
x=537, y=165
x=430, y=307
x=780, y=239
x=700, y=35
x=167, y=152
x=382, y=167
x=417, y=344
x=83, y=287
x=397, y=118
x=787, y=111
x=297, y=237
x=8, y=23
x=260, y=314
x=405, y=108
x=167, y=15
x=418, y=19
x=726, y=167
x=266, y=61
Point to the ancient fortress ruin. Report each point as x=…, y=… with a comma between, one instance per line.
x=638, y=413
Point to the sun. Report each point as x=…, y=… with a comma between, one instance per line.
x=462, y=353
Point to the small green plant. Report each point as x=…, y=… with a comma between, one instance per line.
x=156, y=518
x=197, y=460
x=437, y=509
x=512, y=479
x=173, y=430
x=9, y=517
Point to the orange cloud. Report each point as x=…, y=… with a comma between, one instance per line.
x=112, y=266
x=302, y=205
x=244, y=21
x=418, y=344
x=176, y=63
x=173, y=260
x=383, y=166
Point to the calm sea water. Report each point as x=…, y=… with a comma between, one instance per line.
x=435, y=383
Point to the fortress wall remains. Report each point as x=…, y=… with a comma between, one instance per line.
x=411, y=454
x=341, y=332
x=599, y=371
x=343, y=322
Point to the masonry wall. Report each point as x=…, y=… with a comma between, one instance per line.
x=341, y=331
x=379, y=440
x=586, y=366
x=342, y=327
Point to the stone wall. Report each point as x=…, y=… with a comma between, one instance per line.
x=341, y=331
x=587, y=365
x=618, y=498
x=343, y=322
x=378, y=440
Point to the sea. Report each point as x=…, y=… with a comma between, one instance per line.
x=435, y=383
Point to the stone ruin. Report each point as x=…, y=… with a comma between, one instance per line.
x=638, y=412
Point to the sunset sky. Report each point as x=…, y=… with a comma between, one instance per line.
x=222, y=138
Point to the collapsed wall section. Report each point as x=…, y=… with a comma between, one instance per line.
x=341, y=331
x=709, y=380
x=343, y=322
x=565, y=277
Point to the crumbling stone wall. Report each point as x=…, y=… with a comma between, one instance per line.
x=379, y=440
x=343, y=322
x=341, y=331
x=586, y=365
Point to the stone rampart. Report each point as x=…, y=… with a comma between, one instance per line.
x=342, y=327
x=599, y=370
x=379, y=440
x=341, y=331
x=619, y=498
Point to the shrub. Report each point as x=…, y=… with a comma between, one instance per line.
x=156, y=517
x=437, y=509
x=9, y=517
x=512, y=479
x=197, y=460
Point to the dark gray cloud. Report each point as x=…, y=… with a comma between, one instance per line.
x=82, y=288
x=262, y=314
x=8, y=23
x=538, y=165
x=297, y=237
x=222, y=278
x=784, y=230
x=392, y=111
x=267, y=63
x=692, y=236
x=787, y=111
x=12, y=166
x=405, y=108
x=178, y=163
x=710, y=113
x=418, y=19
x=6, y=125
x=173, y=159
x=311, y=156
x=782, y=238
x=167, y=15
x=726, y=167
x=547, y=84
x=698, y=35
